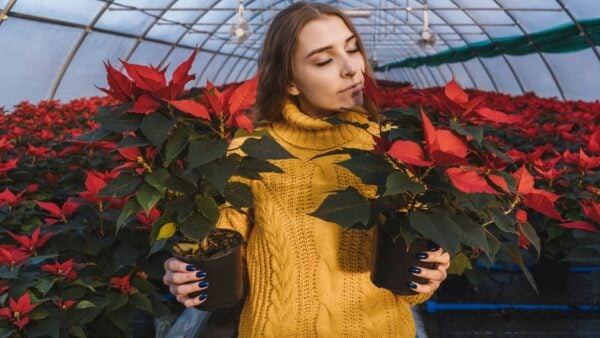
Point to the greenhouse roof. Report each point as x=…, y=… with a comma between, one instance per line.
x=54, y=49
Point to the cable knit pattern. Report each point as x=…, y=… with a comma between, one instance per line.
x=308, y=277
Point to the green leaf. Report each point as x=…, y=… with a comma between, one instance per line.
x=207, y=207
x=345, y=208
x=130, y=208
x=6, y=332
x=84, y=304
x=156, y=126
x=177, y=142
x=265, y=148
x=398, y=182
x=116, y=301
x=130, y=141
x=121, y=318
x=205, y=150
x=513, y=251
x=459, y=264
x=219, y=172
x=158, y=179
x=121, y=186
x=475, y=132
x=251, y=168
x=77, y=331
x=147, y=197
x=74, y=292
x=48, y=327
x=437, y=226
x=79, y=282
x=473, y=233
x=399, y=112
x=6, y=273
x=44, y=285
x=40, y=259
x=141, y=302
x=239, y=195
x=196, y=227
x=502, y=155
x=156, y=247
x=532, y=236
x=39, y=313
x=94, y=135
x=501, y=220
x=117, y=120
x=369, y=168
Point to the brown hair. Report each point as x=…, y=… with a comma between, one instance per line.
x=276, y=59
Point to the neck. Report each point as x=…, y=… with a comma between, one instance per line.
x=309, y=132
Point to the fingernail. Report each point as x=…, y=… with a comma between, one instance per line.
x=201, y=274
x=422, y=255
x=433, y=247
x=202, y=296
x=203, y=284
x=411, y=285
x=414, y=270
x=190, y=268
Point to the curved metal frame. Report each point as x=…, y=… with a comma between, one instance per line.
x=418, y=76
x=145, y=33
x=65, y=66
x=560, y=90
x=586, y=35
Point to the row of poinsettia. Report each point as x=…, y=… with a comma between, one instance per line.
x=60, y=257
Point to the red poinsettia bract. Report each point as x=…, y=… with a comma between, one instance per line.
x=123, y=284
x=17, y=312
x=31, y=244
x=65, y=269
x=59, y=213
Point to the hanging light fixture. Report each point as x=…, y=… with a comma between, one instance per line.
x=428, y=37
x=241, y=29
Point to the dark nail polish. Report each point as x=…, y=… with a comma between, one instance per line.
x=201, y=274
x=422, y=255
x=203, y=284
x=434, y=247
x=190, y=268
x=203, y=296
x=411, y=285
x=414, y=270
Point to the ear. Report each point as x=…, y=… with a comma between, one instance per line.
x=293, y=90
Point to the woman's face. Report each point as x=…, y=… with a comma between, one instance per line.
x=326, y=62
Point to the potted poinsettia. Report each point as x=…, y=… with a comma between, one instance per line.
x=177, y=167
x=438, y=179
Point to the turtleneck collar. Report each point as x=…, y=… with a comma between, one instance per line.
x=307, y=132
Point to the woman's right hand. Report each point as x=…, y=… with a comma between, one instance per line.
x=182, y=279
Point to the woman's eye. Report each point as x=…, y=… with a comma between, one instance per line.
x=326, y=62
x=355, y=50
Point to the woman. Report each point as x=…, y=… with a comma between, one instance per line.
x=308, y=277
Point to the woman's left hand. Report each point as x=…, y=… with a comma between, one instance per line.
x=435, y=276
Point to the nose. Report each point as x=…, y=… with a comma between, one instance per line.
x=349, y=67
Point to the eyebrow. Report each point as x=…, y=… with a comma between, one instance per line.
x=327, y=47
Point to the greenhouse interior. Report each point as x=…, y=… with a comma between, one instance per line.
x=225, y=168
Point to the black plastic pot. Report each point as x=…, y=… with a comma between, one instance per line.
x=391, y=262
x=223, y=273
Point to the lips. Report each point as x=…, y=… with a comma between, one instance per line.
x=354, y=86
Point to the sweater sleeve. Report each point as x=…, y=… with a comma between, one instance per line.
x=415, y=299
x=230, y=218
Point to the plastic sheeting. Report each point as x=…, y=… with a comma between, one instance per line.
x=54, y=49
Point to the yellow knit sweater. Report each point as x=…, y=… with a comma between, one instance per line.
x=308, y=277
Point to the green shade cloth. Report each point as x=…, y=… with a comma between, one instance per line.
x=561, y=39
